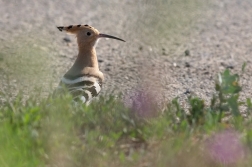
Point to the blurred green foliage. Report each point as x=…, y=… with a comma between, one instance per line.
x=57, y=132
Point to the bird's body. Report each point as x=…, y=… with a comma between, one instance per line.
x=82, y=88
x=84, y=79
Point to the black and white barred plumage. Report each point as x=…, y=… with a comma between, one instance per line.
x=84, y=79
x=83, y=88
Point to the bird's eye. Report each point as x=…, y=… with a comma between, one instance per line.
x=88, y=33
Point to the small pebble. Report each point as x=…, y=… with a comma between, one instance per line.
x=227, y=66
x=187, y=64
x=187, y=91
x=230, y=66
x=187, y=52
x=67, y=39
x=163, y=51
x=62, y=55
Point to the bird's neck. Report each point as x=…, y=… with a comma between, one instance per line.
x=86, y=58
x=85, y=64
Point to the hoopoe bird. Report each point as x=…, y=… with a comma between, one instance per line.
x=84, y=79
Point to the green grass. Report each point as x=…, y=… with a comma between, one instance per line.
x=16, y=149
x=56, y=132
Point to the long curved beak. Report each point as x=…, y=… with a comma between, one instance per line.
x=109, y=36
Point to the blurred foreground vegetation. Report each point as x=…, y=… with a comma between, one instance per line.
x=57, y=132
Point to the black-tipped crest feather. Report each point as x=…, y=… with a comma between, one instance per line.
x=60, y=28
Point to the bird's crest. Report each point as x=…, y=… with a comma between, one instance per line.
x=75, y=28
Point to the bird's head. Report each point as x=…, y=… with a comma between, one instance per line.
x=87, y=36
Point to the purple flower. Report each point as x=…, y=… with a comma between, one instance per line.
x=225, y=147
x=143, y=104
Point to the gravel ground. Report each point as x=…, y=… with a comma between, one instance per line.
x=215, y=35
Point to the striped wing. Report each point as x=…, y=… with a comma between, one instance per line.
x=83, y=89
